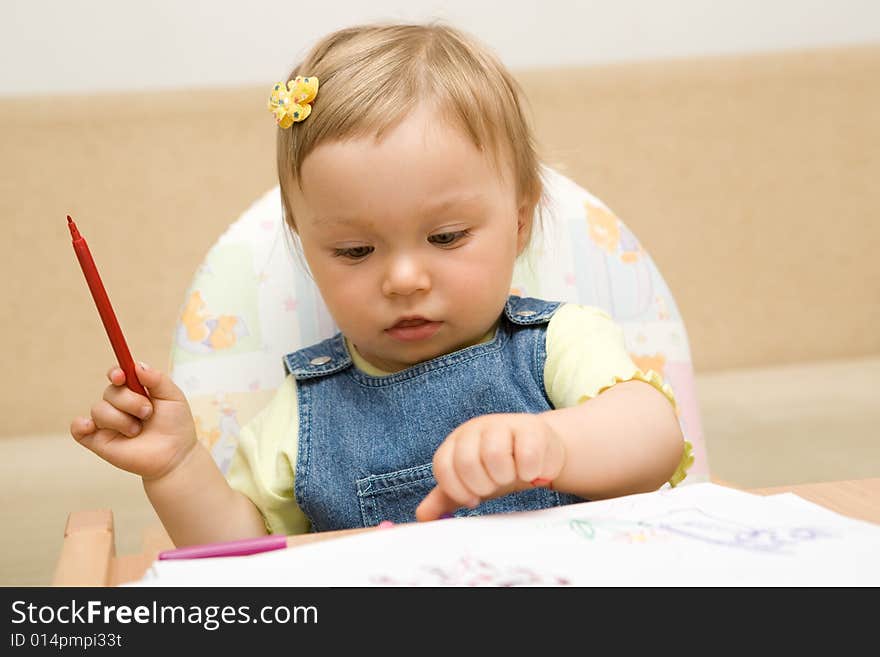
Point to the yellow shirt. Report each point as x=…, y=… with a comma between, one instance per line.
x=585, y=355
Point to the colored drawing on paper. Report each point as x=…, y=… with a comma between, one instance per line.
x=699, y=525
x=626, y=531
x=468, y=571
x=695, y=524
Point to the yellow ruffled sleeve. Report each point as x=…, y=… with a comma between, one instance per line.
x=586, y=355
x=263, y=466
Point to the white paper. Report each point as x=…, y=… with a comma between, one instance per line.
x=695, y=535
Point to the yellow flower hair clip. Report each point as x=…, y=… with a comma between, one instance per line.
x=293, y=103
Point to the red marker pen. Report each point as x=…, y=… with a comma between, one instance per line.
x=105, y=310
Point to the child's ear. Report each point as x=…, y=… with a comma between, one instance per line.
x=524, y=219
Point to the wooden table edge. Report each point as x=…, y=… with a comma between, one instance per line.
x=88, y=555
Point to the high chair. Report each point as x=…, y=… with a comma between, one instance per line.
x=252, y=301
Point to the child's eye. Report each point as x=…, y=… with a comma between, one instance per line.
x=354, y=252
x=445, y=239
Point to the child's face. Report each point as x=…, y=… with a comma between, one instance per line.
x=418, y=225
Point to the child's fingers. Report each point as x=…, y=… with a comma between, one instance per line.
x=107, y=416
x=528, y=453
x=92, y=437
x=496, y=453
x=116, y=375
x=436, y=504
x=539, y=454
x=447, y=477
x=81, y=427
x=121, y=396
x=159, y=384
x=469, y=466
x=128, y=401
x=107, y=444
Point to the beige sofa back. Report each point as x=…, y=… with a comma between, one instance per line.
x=752, y=181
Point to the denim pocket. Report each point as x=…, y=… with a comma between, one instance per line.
x=394, y=496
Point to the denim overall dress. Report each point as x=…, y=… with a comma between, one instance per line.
x=366, y=443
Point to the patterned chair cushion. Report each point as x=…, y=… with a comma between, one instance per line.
x=252, y=301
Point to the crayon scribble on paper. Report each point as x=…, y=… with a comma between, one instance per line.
x=695, y=524
x=699, y=525
x=469, y=571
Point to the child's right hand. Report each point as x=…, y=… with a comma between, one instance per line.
x=146, y=436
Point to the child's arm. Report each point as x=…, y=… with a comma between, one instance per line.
x=626, y=440
x=212, y=511
x=187, y=489
x=623, y=441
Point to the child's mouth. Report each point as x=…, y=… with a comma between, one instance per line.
x=409, y=330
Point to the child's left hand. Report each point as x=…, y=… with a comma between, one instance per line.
x=490, y=456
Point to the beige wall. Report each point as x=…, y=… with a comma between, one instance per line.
x=751, y=180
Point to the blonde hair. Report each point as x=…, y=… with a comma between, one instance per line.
x=372, y=76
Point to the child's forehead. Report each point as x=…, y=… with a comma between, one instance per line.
x=462, y=205
x=425, y=127
x=425, y=150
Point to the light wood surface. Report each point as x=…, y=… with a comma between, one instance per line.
x=88, y=556
x=858, y=499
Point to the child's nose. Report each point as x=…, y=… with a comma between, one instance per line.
x=405, y=275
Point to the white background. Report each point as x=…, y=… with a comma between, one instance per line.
x=78, y=46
